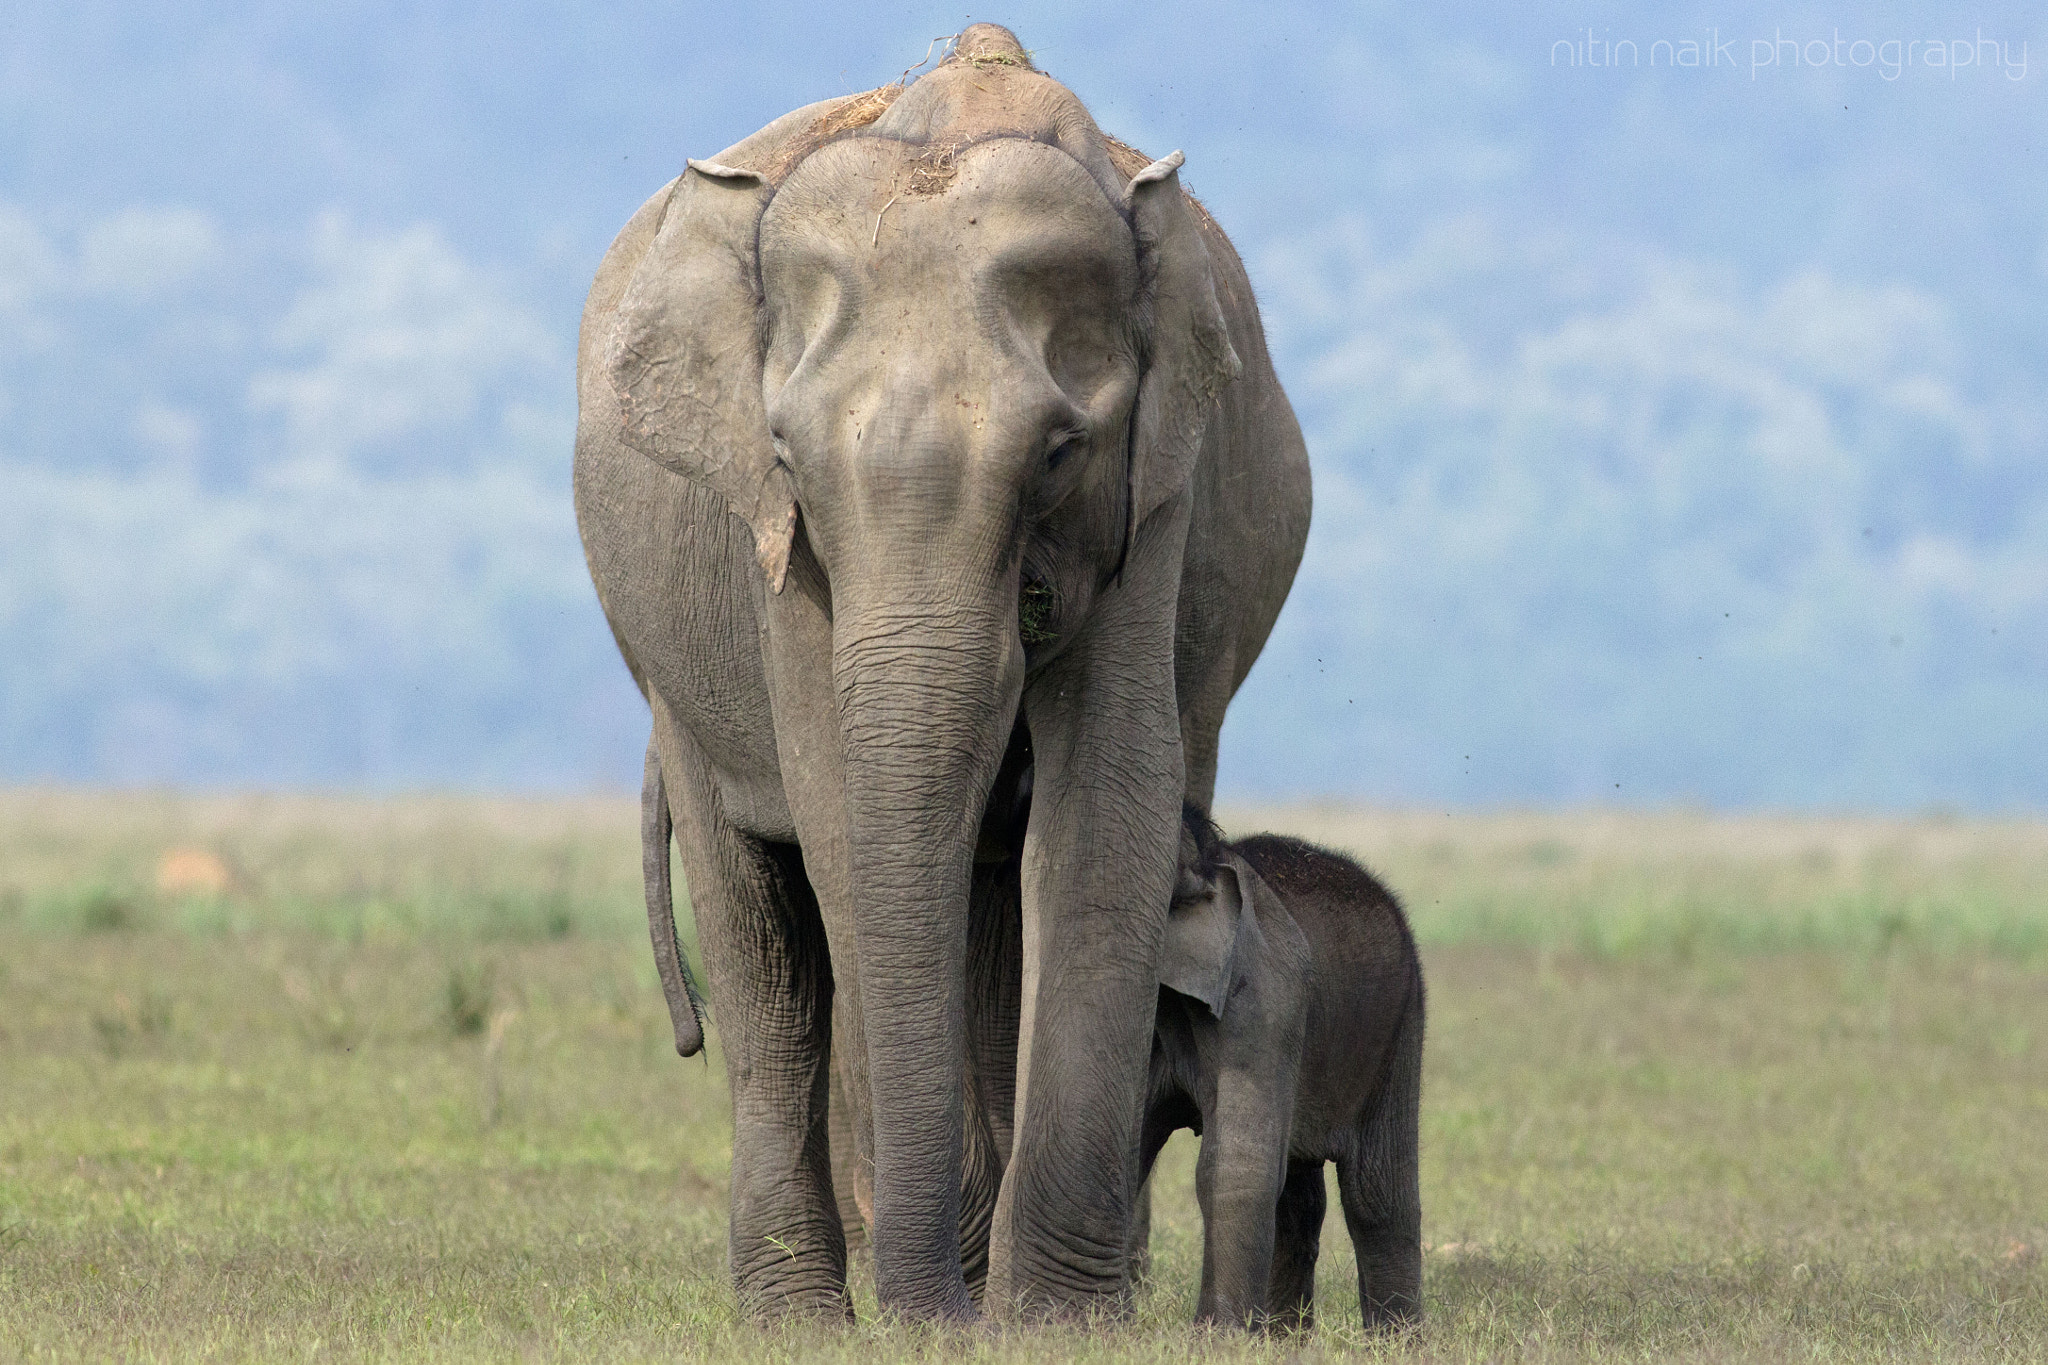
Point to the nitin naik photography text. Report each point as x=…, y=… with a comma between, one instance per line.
x=1887, y=57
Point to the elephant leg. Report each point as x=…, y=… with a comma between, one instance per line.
x=1386, y=1234
x=1140, y=1248
x=771, y=979
x=993, y=973
x=846, y=1169
x=1166, y=1114
x=1251, y=1062
x=1238, y=1179
x=1380, y=1186
x=1297, y=1242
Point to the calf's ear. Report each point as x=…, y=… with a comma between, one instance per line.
x=1198, y=958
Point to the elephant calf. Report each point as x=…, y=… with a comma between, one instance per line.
x=1290, y=1034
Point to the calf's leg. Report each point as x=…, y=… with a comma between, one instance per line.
x=1297, y=1240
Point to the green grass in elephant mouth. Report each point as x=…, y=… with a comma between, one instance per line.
x=1037, y=610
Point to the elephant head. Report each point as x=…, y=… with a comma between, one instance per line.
x=1212, y=919
x=943, y=366
x=768, y=354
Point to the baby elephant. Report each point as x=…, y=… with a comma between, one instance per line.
x=1290, y=1034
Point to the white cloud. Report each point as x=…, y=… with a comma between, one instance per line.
x=143, y=251
x=312, y=617
x=29, y=264
x=136, y=252
x=400, y=336
x=376, y=577
x=1582, y=512
x=1683, y=399
x=173, y=432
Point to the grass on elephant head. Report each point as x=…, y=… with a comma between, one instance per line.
x=292, y=1127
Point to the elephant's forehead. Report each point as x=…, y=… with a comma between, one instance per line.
x=877, y=207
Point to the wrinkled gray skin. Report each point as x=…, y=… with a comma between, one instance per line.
x=1290, y=1034
x=835, y=410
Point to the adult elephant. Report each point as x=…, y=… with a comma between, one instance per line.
x=939, y=491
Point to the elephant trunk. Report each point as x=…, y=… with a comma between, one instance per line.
x=928, y=683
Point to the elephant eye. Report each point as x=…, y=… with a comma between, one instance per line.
x=1065, y=447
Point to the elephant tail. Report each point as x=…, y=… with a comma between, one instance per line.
x=685, y=1009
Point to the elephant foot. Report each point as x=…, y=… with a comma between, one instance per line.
x=768, y=1306
x=1043, y=1305
x=953, y=1307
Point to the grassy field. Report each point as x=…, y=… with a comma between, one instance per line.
x=396, y=1083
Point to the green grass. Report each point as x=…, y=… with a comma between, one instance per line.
x=1612, y=884
x=1603, y=884
x=355, y=1108
x=350, y=869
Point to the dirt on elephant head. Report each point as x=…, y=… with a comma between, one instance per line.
x=853, y=112
x=971, y=93
x=978, y=51
x=979, y=45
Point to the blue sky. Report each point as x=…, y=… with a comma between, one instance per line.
x=1679, y=429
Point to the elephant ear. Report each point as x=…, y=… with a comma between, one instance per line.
x=1199, y=956
x=1192, y=359
x=685, y=356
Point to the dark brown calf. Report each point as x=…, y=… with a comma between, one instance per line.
x=1290, y=1034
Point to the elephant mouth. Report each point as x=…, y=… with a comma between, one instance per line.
x=1038, y=611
